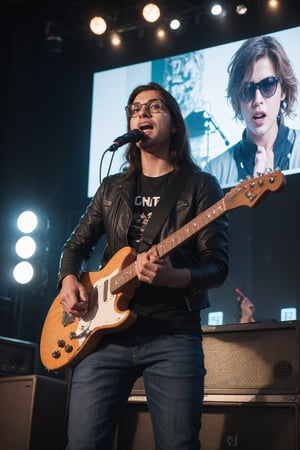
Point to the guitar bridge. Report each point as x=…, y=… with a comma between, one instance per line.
x=84, y=333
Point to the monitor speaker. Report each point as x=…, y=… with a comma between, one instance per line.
x=32, y=413
x=229, y=421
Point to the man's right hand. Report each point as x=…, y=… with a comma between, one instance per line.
x=73, y=296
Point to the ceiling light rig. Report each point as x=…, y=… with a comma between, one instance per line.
x=114, y=27
x=127, y=19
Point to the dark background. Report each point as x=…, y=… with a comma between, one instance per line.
x=45, y=131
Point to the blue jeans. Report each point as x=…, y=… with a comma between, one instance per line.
x=173, y=371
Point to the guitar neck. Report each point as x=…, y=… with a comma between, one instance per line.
x=189, y=230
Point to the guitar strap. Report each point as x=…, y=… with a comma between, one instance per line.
x=159, y=216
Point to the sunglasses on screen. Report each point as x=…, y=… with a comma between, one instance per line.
x=267, y=88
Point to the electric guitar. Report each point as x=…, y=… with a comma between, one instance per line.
x=65, y=339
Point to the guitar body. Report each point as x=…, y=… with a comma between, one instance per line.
x=65, y=340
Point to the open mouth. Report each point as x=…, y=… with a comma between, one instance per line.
x=259, y=116
x=145, y=126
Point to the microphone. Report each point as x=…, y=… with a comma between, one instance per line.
x=211, y=119
x=131, y=136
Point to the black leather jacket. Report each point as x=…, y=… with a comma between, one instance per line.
x=110, y=213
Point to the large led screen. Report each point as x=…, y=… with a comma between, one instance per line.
x=198, y=80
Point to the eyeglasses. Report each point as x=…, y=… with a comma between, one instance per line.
x=267, y=88
x=152, y=106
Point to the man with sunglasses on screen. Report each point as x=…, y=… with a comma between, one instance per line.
x=262, y=89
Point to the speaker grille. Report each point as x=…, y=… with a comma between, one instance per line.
x=252, y=358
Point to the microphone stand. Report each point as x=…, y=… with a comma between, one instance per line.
x=217, y=128
x=110, y=163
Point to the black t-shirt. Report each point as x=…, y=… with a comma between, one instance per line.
x=160, y=310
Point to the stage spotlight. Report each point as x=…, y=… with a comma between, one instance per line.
x=26, y=272
x=115, y=39
x=161, y=34
x=23, y=272
x=273, y=4
x=216, y=9
x=27, y=222
x=98, y=25
x=241, y=9
x=151, y=12
x=25, y=247
x=175, y=24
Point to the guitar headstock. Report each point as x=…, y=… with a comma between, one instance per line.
x=251, y=191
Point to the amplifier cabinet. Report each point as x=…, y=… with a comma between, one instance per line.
x=242, y=422
x=246, y=422
x=32, y=415
x=254, y=358
x=17, y=357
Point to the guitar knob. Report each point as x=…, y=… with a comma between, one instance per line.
x=72, y=335
x=68, y=348
x=61, y=343
x=56, y=354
